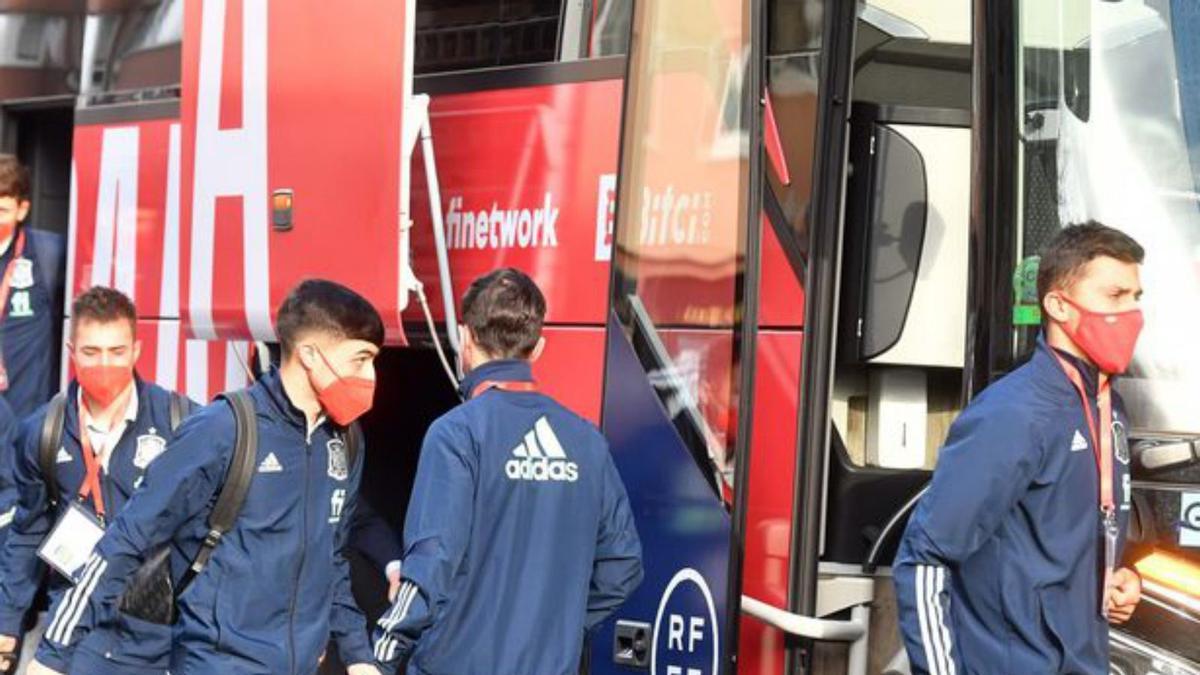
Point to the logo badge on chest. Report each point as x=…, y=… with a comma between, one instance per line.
x=149, y=447
x=339, y=467
x=22, y=274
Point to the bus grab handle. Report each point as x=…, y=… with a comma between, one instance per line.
x=830, y=630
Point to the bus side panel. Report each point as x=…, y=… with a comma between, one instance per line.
x=683, y=524
x=571, y=368
x=769, y=508
x=289, y=97
x=120, y=193
x=528, y=180
x=125, y=234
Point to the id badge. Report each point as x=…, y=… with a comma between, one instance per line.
x=1111, y=536
x=71, y=541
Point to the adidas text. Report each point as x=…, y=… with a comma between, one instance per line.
x=542, y=469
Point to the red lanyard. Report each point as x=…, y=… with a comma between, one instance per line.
x=1102, y=443
x=502, y=386
x=91, y=481
x=5, y=288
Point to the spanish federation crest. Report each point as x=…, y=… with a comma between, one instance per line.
x=149, y=446
x=22, y=274
x=1120, y=442
x=339, y=468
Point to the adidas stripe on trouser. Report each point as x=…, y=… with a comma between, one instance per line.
x=74, y=602
x=388, y=644
x=931, y=614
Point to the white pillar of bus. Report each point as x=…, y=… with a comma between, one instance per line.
x=231, y=162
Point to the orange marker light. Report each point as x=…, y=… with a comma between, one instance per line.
x=1171, y=577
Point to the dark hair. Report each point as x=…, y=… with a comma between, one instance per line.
x=14, y=178
x=505, y=310
x=103, y=305
x=1077, y=245
x=322, y=306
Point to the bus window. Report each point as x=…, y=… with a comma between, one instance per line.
x=681, y=217
x=468, y=34
x=1117, y=141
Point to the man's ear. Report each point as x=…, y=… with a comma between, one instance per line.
x=538, y=349
x=1055, y=307
x=137, y=352
x=22, y=210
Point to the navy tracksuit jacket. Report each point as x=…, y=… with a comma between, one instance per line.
x=1001, y=566
x=518, y=538
x=139, y=647
x=8, y=489
x=33, y=319
x=277, y=586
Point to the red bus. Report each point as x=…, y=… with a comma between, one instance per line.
x=783, y=243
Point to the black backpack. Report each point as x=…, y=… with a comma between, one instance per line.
x=150, y=594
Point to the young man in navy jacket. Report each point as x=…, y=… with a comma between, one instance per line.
x=277, y=586
x=1011, y=562
x=518, y=536
x=30, y=297
x=114, y=426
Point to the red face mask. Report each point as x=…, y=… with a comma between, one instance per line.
x=346, y=398
x=1107, y=339
x=6, y=232
x=103, y=384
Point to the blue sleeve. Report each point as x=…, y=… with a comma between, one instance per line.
x=347, y=623
x=8, y=457
x=20, y=568
x=179, y=486
x=985, y=467
x=436, y=531
x=617, y=569
x=371, y=535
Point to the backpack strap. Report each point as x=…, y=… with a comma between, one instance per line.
x=180, y=407
x=49, y=442
x=237, y=479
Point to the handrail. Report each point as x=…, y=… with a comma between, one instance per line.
x=830, y=630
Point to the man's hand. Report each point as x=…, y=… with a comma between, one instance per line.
x=8, y=649
x=363, y=669
x=1124, y=595
x=37, y=668
x=393, y=577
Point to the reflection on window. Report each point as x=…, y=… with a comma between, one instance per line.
x=680, y=216
x=1110, y=132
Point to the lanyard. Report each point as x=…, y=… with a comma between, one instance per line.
x=5, y=288
x=502, y=386
x=1102, y=443
x=6, y=285
x=91, y=481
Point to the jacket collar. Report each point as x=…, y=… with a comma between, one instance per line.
x=500, y=370
x=271, y=386
x=1089, y=373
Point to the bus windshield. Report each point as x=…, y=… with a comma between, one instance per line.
x=1110, y=99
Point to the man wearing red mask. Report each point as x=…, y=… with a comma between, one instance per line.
x=1011, y=562
x=30, y=297
x=276, y=588
x=113, y=426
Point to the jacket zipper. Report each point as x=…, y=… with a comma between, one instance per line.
x=303, y=551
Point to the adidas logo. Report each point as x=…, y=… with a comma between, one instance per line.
x=63, y=456
x=270, y=464
x=540, y=457
x=1079, y=442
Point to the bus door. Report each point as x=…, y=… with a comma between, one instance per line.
x=681, y=296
